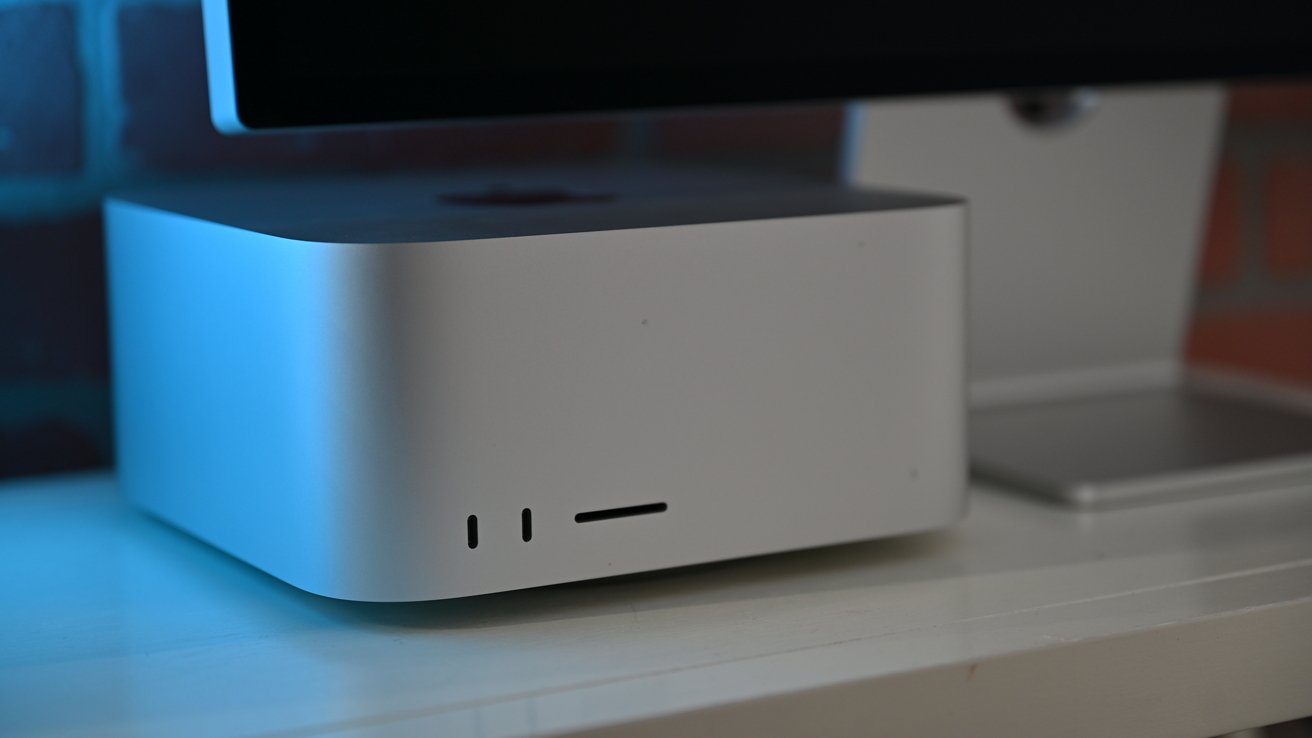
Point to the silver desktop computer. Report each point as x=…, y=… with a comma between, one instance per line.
x=413, y=387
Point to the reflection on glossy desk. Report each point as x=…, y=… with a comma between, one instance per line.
x=1189, y=618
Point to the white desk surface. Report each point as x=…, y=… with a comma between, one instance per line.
x=1183, y=619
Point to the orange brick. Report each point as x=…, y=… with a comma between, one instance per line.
x=1273, y=342
x=1271, y=103
x=1219, y=262
x=1288, y=205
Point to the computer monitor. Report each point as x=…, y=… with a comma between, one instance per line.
x=1084, y=236
x=305, y=64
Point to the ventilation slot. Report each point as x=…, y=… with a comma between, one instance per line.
x=621, y=512
x=471, y=530
x=526, y=524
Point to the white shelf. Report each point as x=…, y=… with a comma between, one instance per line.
x=1183, y=619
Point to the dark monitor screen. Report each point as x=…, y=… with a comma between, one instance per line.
x=296, y=63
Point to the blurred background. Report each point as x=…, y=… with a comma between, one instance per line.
x=99, y=94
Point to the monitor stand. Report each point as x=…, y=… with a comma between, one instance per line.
x=1087, y=209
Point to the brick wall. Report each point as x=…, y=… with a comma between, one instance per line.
x=1254, y=308
x=97, y=94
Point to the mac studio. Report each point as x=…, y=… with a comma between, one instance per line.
x=671, y=370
